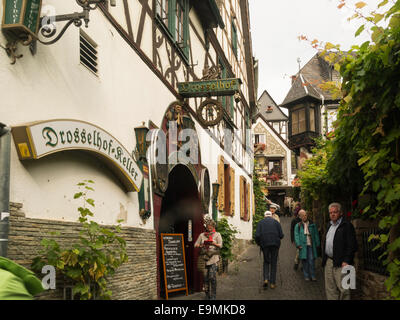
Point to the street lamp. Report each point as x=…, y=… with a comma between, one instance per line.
x=215, y=188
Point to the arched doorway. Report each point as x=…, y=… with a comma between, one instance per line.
x=181, y=213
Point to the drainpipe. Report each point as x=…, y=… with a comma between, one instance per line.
x=5, y=151
x=325, y=117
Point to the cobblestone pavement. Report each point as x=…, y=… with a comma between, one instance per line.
x=243, y=280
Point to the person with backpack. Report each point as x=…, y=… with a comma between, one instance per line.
x=307, y=240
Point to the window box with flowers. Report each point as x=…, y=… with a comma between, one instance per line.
x=259, y=147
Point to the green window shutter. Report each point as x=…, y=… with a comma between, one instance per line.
x=186, y=28
x=171, y=17
x=234, y=39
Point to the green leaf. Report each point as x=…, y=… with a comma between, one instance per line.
x=78, y=195
x=90, y=201
x=395, y=167
x=383, y=3
x=359, y=30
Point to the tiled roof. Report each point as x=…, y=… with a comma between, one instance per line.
x=307, y=80
x=277, y=114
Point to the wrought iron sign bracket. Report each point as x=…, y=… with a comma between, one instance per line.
x=48, y=28
x=16, y=30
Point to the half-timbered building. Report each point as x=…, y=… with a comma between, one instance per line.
x=104, y=103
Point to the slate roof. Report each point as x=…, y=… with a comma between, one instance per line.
x=277, y=114
x=307, y=80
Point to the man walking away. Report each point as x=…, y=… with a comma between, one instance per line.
x=307, y=240
x=268, y=237
x=296, y=219
x=339, y=248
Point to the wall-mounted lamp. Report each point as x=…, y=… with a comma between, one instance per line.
x=141, y=144
x=22, y=22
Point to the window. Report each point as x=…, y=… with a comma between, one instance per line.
x=226, y=195
x=173, y=16
x=312, y=119
x=275, y=166
x=259, y=138
x=162, y=10
x=234, y=39
x=88, y=52
x=227, y=102
x=298, y=121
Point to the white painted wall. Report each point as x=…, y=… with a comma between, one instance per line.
x=53, y=85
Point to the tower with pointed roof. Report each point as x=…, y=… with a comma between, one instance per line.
x=311, y=108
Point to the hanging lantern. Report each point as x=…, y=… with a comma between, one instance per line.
x=21, y=18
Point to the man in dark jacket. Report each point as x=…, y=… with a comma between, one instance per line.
x=268, y=237
x=339, y=248
x=296, y=219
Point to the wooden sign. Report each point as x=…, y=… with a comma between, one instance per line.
x=21, y=16
x=219, y=87
x=173, y=254
x=41, y=138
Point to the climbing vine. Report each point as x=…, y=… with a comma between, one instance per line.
x=259, y=200
x=364, y=155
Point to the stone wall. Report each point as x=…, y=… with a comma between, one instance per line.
x=136, y=279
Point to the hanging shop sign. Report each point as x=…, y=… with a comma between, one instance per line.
x=21, y=17
x=39, y=139
x=210, y=112
x=218, y=87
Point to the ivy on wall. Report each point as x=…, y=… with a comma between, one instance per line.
x=362, y=160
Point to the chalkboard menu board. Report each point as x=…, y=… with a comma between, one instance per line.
x=174, y=262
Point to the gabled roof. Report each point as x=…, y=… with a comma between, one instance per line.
x=259, y=115
x=306, y=82
x=277, y=114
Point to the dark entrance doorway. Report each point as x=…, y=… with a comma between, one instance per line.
x=181, y=213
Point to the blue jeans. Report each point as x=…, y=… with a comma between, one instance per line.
x=308, y=264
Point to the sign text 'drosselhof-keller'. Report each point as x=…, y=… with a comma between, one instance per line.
x=38, y=139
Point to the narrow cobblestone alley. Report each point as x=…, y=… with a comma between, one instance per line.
x=243, y=279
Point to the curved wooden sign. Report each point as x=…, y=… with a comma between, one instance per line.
x=38, y=139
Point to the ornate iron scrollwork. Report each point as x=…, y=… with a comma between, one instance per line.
x=210, y=112
x=48, y=28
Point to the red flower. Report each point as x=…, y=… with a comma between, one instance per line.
x=354, y=203
x=349, y=214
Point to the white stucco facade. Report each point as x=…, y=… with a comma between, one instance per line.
x=53, y=84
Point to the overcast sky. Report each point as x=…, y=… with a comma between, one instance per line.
x=275, y=26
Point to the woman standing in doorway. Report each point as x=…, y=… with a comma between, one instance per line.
x=210, y=242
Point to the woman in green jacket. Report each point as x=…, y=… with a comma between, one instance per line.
x=307, y=240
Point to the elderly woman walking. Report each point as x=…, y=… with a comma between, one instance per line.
x=307, y=240
x=210, y=242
